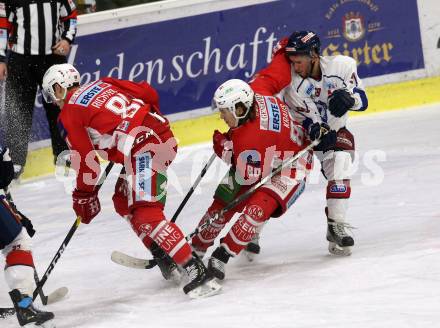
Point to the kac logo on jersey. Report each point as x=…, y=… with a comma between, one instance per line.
x=339, y=189
x=90, y=93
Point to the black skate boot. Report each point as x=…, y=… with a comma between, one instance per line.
x=27, y=313
x=253, y=248
x=167, y=266
x=217, y=262
x=340, y=242
x=200, y=252
x=201, y=283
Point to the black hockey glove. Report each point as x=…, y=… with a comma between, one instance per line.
x=340, y=102
x=27, y=224
x=328, y=140
x=6, y=168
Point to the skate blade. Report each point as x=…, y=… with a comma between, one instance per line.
x=47, y=324
x=209, y=288
x=250, y=256
x=175, y=277
x=335, y=249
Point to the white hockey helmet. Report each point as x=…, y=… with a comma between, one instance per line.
x=231, y=93
x=63, y=74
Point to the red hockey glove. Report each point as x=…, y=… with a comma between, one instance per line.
x=86, y=205
x=222, y=146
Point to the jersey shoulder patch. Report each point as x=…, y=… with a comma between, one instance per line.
x=85, y=95
x=269, y=112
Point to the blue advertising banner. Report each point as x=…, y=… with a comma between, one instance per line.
x=186, y=59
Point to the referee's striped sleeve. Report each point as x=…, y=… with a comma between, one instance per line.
x=68, y=16
x=4, y=31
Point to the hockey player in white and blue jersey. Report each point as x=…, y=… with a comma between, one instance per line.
x=320, y=90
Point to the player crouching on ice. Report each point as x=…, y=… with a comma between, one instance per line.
x=15, y=243
x=261, y=136
x=121, y=120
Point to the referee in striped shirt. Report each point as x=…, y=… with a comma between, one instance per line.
x=34, y=35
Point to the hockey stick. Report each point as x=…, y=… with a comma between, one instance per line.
x=129, y=261
x=68, y=237
x=193, y=188
x=132, y=262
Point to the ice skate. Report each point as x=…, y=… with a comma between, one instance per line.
x=201, y=283
x=340, y=243
x=167, y=266
x=217, y=262
x=253, y=248
x=27, y=314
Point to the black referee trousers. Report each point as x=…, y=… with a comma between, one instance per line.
x=25, y=73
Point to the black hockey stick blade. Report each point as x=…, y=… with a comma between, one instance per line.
x=132, y=262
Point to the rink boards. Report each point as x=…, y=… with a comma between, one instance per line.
x=164, y=44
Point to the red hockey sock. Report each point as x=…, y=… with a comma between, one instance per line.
x=150, y=224
x=206, y=237
x=258, y=209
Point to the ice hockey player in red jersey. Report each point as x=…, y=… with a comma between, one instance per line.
x=320, y=90
x=120, y=120
x=15, y=243
x=261, y=135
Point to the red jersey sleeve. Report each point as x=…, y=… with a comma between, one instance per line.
x=83, y=155
x=274, y=77
x=139, y=90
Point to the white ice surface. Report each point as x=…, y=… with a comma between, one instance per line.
x=391, y=280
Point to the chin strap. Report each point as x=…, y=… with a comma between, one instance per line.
x=244, y=118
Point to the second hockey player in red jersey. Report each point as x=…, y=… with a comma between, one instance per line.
x=261, y=136
x=121, y=121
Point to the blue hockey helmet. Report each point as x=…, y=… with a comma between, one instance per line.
x=303, y=43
